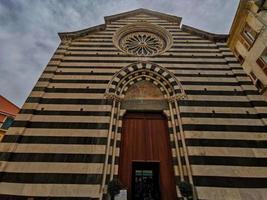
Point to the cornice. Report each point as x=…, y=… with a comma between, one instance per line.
x=66, y=36
x=167, y=17
x=72, y=35
x=207, y=35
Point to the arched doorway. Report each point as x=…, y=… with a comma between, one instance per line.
x=168, y=92
x=145, y=164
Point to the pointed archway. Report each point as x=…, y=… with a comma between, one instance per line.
x=172, y=91
x=159, y=76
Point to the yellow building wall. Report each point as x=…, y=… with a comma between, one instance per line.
x=247, y=13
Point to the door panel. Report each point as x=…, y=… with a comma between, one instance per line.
x=145, y=138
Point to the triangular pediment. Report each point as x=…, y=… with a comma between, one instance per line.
x=167, y=17
x=144, y=12
x=109, y=19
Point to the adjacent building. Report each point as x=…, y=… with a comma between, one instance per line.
x=248, y=41
x=164, y=108
x=8, y=112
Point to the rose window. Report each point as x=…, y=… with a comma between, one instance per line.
x=142, y=39
x=142, y=44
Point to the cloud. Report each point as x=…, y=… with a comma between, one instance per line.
x=28, y=34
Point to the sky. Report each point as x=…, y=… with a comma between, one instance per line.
x=28, y=30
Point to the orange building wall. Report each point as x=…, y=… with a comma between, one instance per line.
x=7, y=109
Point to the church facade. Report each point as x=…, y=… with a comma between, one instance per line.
x=145, y=101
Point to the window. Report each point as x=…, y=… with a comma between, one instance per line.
x=8, y=122
x=253, y=77
x=245, y=43
x=248, y=36
x=262, y=4
x=259, y=85
x=142, y=39
x=262, y=62
x=239, y=56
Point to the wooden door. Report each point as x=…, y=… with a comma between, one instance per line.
x=145, y=138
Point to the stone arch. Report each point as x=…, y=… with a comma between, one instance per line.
x=159, y=76
x=172, y=91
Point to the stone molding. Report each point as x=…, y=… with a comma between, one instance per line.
x=204, y=34
x=159, y=76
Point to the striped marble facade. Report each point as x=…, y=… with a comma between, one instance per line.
x=65, y=142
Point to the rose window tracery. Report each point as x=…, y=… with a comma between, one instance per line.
x=142, y=44
x=142, y=39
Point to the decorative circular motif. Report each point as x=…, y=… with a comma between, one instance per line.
x=142, y=39
x=142, y=44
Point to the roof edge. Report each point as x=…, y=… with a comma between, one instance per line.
x=240, y=9
x=75, y=34
x=13, y=104
x=168, y=17
x=108, y=19
x=207, y=35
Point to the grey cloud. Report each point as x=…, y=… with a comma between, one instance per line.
x=28, y=30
